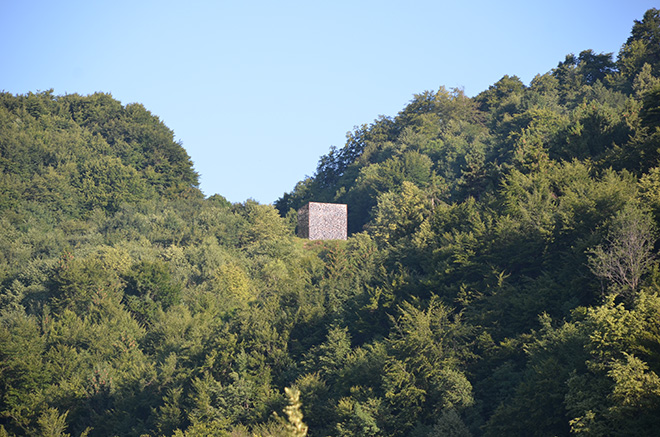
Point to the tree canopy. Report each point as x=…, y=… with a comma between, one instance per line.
x=501, y=276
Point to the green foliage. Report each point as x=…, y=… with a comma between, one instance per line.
x=424, y=375
x=399, y=214
x=500, y=278
x=642, y=45
x=357, y=419
x=296, y=426
x=150, y=282
x=74, y=153
x=629, y=252
x=622, y=394
x=650, y=113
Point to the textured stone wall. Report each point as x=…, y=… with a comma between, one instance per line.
x=323, y=221
x=303, y=222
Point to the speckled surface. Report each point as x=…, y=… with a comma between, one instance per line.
x=323, y=221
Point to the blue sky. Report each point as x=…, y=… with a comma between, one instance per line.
x=257, y=91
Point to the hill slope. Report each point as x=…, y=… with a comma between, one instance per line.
x=501, y=277
x=77, y=153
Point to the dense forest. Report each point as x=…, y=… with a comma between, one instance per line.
x=501, y=276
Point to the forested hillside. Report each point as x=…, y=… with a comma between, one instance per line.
x=501, y=277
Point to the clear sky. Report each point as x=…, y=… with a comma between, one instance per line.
x=257, y=91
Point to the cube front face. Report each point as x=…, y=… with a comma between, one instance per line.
x=323, y=221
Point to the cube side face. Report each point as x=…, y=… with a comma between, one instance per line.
x=327, y=221
x=303, y=222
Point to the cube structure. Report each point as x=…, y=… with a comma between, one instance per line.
x=323, y=221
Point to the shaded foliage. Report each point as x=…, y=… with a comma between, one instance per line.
x=500, y=278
